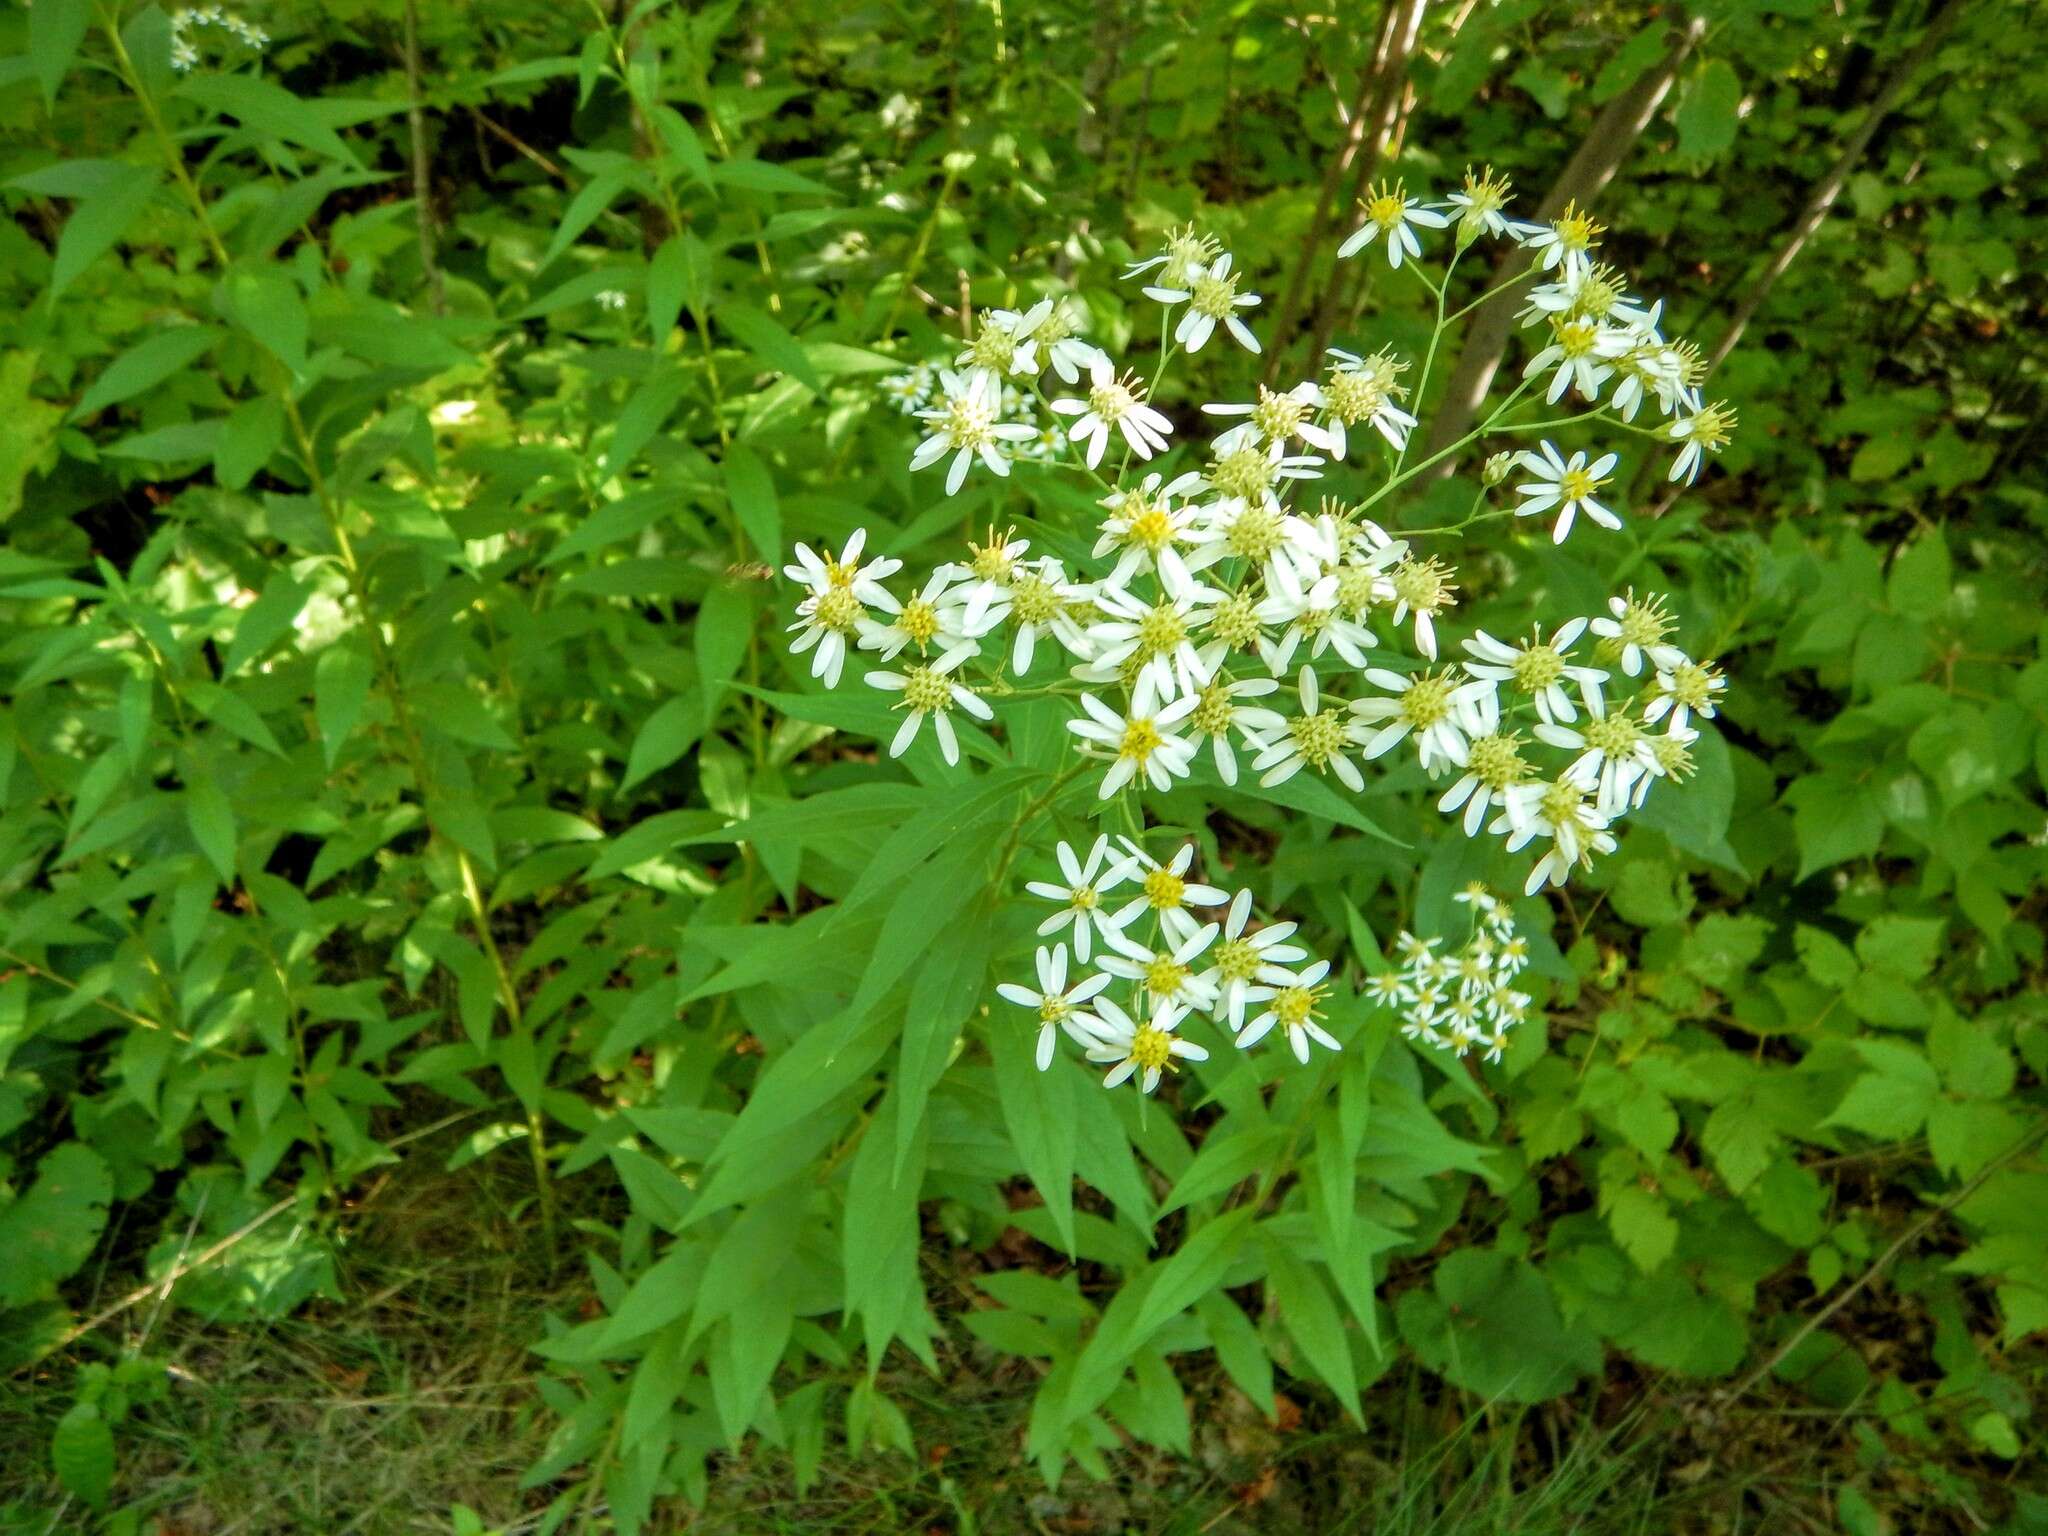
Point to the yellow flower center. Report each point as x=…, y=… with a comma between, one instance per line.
x=1496, y=761
x=1083, y=898
x=994, y=348
x=1164, y=890
x=1296, y=1005
x=1576, y=230
x=1053, y=1009
x=1214, y=296
x=1112, y=401
x=1277, y=415
x=919, y=620
x=1615, y=735
x=1692, y=685
x=1235, y=620
x=926, y=691
x=1244, y=473
x=992, y=561
x=1255, y=532
x=1424, y=585
x=1141, y=739
x=1578, y=338
x=1537, y=667
x=1387, y=204
x=1164, y=976
x=969, y=418
x=839, y=609
x=1152, y=1048
x=1427, y=701
x=1578, y=484
x=1318, y=737
x=1357, y=589
x=1212, y=710
x=1033, y=599
x=1237, y=959
x=1644, y=623
x=1161, y=631
x=1562, y=803
x=1672, y=756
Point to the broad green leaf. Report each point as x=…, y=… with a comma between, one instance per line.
x=96, y=223
x=212, y=820
x=49, y=1230
x=771, y=345
x=55, y=29
x=144, y=366
x=270, y=110
x=750, y=492
x=82, y=1451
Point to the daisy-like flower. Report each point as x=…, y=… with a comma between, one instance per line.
x=846, y=573
x=1425, y=588
x=1705, y=431
x=1212, y=299
x=1217, y=713
x=1317, y=738
x=1159, y=637
x=1040, y=601
x=1055, y=1003
x=932, y=618
x=826, y=622
x=1672, y=749
x=1183, y=255
x=1391, y=212
x=987, y=575
x=1243, y=470
x=1614, y=751
x=1165, y=891
x=1637, y=628
x=968, y=425
x=1430, y=706
x=1565, y=239
x=1362, y=390
x=1536, y=668
x=1494, y=768
x=1689, y=688
x=1556, y=810
x=1114, y=402
x=1004, y=345
x=1294, y=1004
x=1592, y=292
x=1261, y=533
x=1578, y=354
x=1478, y=208
x=1240, y=959
x=1167, y=973
x=1142, y=529
x=1309, y=613
x=1144, y=743
x=1080, y=899
x=1276, y=417
x=1146, y=1050
x=1568, y=487
x=1059, y=333
x=907, y=392
x=930, y=693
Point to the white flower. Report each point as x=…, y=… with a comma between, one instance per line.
x=1478, y=208
x=1142, y=529
x=1039, y=600
x=1165, y=891
x=1293, y=1005
x=1425, y=587
x=1536, y=668
x=1494, y=767
x=1684, y=689
x=1362, y=389
x=1212, y=299
x=1566, y=239
x=1309, y=613
x=1059, y=334
x=1055, y=1002
x=1707, y=430
x=1004, y=346
x=1579, y=351
x=1637, y=629
x=1217, y=713
x=967, y=426
x=1147, y=1049
x=1567, y=486
x=929, y=693
x=1277, y=417
x=1316, y=738
x=847, y=573
x=1431, y=706
x=1080, y=899
x=1613, y=753
x=1184, y=254
x=908, y=391
x=990, y=570
x=1166, y=973
x=1390, y=211
x=1143, y=742
x=826, y=621
x=932, y=618
x=1261, y=533
x=1239, y=959
x=1114, y=402
x=1160, y=636
x=1558, y=811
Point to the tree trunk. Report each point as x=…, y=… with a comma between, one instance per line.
x=1620, y=123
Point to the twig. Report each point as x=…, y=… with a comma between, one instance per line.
x=422, y=183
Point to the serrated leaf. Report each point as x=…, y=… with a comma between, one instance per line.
x=49, y=1232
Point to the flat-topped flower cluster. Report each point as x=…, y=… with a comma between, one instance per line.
x=1466, y=999
x=1134, y=919
x=1219, y=621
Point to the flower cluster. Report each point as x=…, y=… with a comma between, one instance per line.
x=185, y=51
x=1016, y=428
x=1135, y=920
x=1463, y=1000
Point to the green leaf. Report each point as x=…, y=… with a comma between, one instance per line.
x=1643, y=1225
x=341, y=687
x=1039, y=1113
x=943, y=995
x=266, y=621
x=771, y=345
x=1707, y=117
x=663, y=737
x=212, y=820
x=28, y=427
x=252, y=433
x=725, y=623
x=97, y=222
x=55, y=29
x=879, y=1230
x=82, y=1451
x=144, y=366
x=270, y=110
x=1891, y=1102
x=1489, y=1324
x=641, y=418
x=1834, y=819
x=266, y=305
x=1312, y=1321
x=49, y=1232
x=750, y=491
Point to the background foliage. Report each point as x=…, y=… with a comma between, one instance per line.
x=402, y=772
